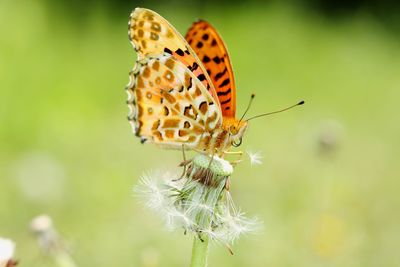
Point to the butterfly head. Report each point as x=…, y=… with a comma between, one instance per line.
x=235, y=129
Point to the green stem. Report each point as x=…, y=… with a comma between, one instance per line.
x=64, y=260
x=199, y=252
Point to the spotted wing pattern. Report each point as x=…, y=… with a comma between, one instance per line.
x=151, y=36
x=211, y=50
x=169, y=105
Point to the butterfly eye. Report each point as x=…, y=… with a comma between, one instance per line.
x=237, y=143
x=233, y=129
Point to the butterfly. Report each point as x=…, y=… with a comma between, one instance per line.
x=181, y=90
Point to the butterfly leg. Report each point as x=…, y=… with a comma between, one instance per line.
x=182, y=164
x=235, y=162
x=233, y=152
x=200, y=151
x=212, y=158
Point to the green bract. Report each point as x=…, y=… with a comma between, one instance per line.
x=218, y=165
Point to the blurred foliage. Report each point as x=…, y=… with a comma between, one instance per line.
x=384, y=10
x=327, y=191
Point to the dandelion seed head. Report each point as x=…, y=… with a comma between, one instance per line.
x=255, y=157
x=198, y=202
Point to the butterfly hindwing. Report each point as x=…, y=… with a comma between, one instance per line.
x=169, y=105
x=211, y=50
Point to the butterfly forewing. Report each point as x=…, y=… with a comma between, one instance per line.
x=169, y=105
x=211, y=50
x=151, y=36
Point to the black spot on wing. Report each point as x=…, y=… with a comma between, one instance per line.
x=167, y=51
x=201, y=77
x=194, y=67
x=180, y=52
x=217, y=60
x=226, y=101
x=225, y=82
x=225, y=92
x=205, y=37
x=220, y=74
x=206, y=59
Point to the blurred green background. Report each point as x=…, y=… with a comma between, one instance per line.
x=327, y=191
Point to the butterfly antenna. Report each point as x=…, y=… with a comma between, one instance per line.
x=248, y=107
x=278, y=111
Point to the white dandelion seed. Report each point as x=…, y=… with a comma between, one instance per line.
x=255, y=157
x=153, y=192
x=237, y=225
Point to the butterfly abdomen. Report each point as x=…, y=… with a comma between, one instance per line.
x=221, y=140
x=214, y=142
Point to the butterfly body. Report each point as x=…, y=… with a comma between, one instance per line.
x=175, y=98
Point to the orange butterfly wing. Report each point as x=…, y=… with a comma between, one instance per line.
x=211, y=50
x=171, y=98
x=151, y=36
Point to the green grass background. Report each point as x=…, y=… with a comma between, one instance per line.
x=66, y=148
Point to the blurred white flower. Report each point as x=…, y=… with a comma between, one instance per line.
x=40, y=177
x=329, y=136
x=41, y=223
x=255, y=157
x=47, y=237
x=50, y=241
x=7, y=248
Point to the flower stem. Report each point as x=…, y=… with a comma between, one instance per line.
x=199, y=252
x=64, y=260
